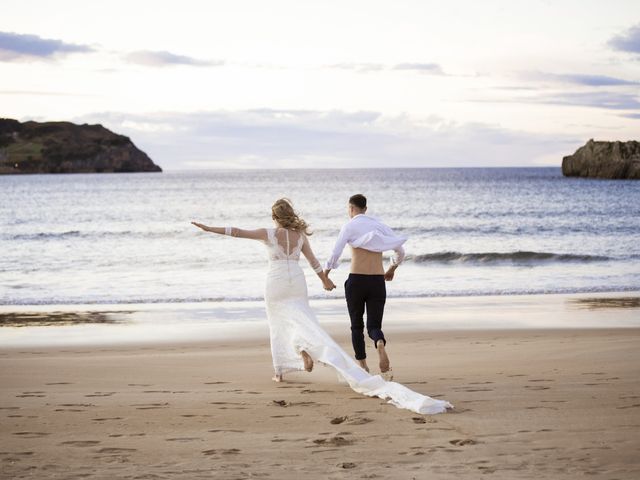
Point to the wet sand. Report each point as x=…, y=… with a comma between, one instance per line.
x=530, y=403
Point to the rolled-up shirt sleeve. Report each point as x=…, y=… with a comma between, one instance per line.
x=341, y=242
x=398, y=256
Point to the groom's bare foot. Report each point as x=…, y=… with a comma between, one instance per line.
x=363, y=364
x=384, y=358
x=277, y=378
x=308, y=361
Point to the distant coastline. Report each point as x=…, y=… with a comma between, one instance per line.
x=65, y=147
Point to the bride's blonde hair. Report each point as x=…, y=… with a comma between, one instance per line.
x=282, y=212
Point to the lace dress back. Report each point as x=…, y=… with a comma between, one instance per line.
x=284, y=244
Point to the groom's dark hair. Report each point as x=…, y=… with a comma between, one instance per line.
x=358, y=200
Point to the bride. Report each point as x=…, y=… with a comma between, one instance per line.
x=297, y=339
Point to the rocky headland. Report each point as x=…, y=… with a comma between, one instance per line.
x=613, y=160
x=65, y=147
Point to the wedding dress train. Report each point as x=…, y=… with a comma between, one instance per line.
x=294, y=327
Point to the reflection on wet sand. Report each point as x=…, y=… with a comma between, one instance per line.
x=594, y=303
x=44, y=319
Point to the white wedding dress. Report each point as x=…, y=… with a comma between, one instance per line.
x=294, y=327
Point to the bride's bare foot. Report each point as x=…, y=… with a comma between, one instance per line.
x=363, y=364
x=277, y=378
x=384, y=358
x=308, y=361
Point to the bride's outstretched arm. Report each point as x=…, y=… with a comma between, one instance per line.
x=258, y=234
x=315, y=264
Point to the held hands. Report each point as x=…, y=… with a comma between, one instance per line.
x=327, y=283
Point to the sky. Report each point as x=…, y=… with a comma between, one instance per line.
x=330, y=84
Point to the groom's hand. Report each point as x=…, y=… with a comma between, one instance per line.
x=388, y=275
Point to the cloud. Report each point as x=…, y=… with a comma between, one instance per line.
x=631, y=115
x=163, y=58
x=271, y=138
x=580, y=79
x=427, y=68
x=45, y=93
x=598, y=99
x=17, y=46
x=628, y=41
x=359, y=67
x=594, y=99
x=432, y=68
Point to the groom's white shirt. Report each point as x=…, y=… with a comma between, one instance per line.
x=363, y=231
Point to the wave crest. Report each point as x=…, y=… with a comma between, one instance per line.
x=520, y=257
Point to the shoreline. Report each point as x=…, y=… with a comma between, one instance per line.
x=166, y=323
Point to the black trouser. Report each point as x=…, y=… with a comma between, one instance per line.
x=365, y=291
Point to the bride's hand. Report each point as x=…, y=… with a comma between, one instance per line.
x=200, y=225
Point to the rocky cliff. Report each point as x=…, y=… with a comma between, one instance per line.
x=64, y=147
x=604, y=160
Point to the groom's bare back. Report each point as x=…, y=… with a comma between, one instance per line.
x=366, y=262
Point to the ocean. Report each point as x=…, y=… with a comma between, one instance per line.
x=127, y=238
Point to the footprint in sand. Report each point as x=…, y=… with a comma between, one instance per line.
x=358, y=420
x=100, y=394
x=350, y=420
x=59, y=383
x=106, y=418
x=81, y=443
x=117, y=450
x=149, y=406
x=214, y=383
x=26, y=395
x=536, y=387
x=336, y=441
x=183, y=439
x=31, y=434
x=223, y=451
x=347, y=465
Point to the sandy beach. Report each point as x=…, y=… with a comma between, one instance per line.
x=529, y=403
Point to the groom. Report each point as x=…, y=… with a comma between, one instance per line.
x=365, y=286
